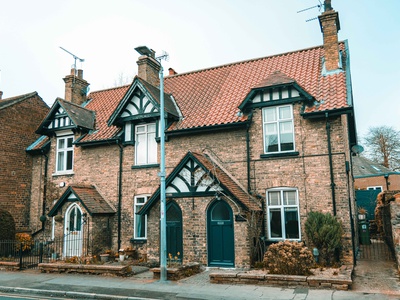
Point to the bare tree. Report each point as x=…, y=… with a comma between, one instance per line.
x=383, y=146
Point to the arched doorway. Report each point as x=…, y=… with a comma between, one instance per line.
x=73, y=231
x=174, y=231
x=221, y=246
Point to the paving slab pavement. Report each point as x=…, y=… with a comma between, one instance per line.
x=143, y=286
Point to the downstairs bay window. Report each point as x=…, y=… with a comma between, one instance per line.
x=283, y=214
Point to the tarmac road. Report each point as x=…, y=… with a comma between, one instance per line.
x=32, y=283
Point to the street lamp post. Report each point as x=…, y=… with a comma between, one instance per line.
x=143, y=50
x=163, y=221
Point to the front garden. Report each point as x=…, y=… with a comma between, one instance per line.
x=287, y=263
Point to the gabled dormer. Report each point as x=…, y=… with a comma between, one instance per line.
x=275, y=96
x=64, y=121
x=66, y=116
x=276, y=89
x=141, y=105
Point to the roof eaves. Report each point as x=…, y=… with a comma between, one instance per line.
x=14, y=100
x=110, y=141
x=43, y=149
x=327, y=112
x=210, y=128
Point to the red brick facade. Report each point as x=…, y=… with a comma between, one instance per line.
x=216, y=113
x=19, y=118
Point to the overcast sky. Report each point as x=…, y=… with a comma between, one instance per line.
x=197, y=34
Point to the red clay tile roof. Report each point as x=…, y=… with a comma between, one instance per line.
x=88, y=196
x=211, y=96
x=247, y=200
x=104, y=103
x=40, y=143
x=276, y=78
x=92, y=200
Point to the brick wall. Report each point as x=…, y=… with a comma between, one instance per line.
x=308, y=172
x=18, y=123
x=365, y=182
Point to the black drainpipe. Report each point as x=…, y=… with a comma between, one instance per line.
x=328, y=134
x=119, y=192
x=46, y=163
x=248, y=150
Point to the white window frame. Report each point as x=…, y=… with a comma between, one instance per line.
x=65, y=150
x=150, y=152
x=374, y=188
x=279, y=132
x=137, y=205
x=281, y=207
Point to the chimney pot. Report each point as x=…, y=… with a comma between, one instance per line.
x=75, y=87
x=172, y=71
x=1, y=95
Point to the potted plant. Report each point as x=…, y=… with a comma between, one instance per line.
x=121, y=253
x=362, y=212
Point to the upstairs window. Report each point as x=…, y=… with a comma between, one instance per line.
x=140, y=230
x=65, y=154
x=278, y=129
x=145, y=144
x=283, y=214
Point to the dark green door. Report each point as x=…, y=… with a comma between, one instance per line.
x=221, y=251
x=174, y=232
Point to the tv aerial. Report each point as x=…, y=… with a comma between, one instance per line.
x=75, y=58
x=319, y=6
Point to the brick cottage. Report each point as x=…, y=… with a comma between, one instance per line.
x=19, y=118
x=251, y=148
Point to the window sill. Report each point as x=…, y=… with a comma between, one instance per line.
x=146, y=166
x=280, y=154
x=69, y=173
x=138, y=241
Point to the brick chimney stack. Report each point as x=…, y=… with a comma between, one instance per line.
x=149, y=68
x=329, y=22
x=75, y=87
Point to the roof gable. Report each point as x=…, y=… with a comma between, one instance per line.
x=88, y=196
x=141, y=101
x=196, y=175
x=4, y=103
x=275, y=89
x=66, y=115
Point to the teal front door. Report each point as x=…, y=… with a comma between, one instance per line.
x=221, y=251
x=174, y=232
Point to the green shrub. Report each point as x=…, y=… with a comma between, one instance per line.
x=325, y=233
x=289, y=258
x=7, y=226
